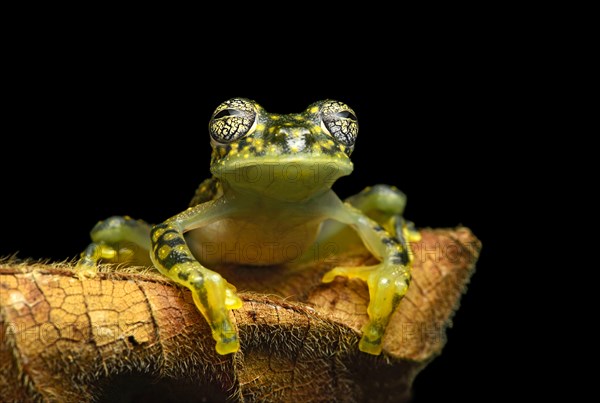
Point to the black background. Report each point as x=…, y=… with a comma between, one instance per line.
x=115, y=133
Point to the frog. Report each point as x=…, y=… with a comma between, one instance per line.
x=271, y=187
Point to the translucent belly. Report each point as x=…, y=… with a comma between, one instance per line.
x=257, y=242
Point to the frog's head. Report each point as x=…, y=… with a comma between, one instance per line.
x=289, y=157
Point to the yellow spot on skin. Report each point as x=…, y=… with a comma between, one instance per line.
x=342, y=147
x=314, y=109
x=163, y=252
x=288, y=124
x=294, y=149
x=246, y=155
x=299, y=117
x=170, y=236
x=328, y=144
x=271, y=129
x=272, y=148
x=260, y=127
x=275, y=117
x=158, y=233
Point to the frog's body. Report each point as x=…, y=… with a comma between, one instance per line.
x=265, y=205
x=260, y=233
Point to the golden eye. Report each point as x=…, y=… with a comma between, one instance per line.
x=340, y=121
x=232, y=120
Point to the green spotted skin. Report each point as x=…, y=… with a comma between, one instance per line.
x=280, y=136
x=271, y=189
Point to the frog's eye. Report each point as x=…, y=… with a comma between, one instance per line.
x=232, y=120
x=340, y=121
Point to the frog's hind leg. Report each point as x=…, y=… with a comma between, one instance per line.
x=385, y=204
x=118, y=239
x=382, y=203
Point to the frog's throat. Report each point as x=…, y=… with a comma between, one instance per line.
x=321, y=170
x=290, y=178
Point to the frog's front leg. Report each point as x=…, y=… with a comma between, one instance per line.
x=213, y=296
x=387, y=281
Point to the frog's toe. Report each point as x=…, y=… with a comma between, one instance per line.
x=214, y=298
x=226, y=337
x=331, y=274
x=225, y=334
x=387, y=285
x=361, y=272
x=87, y=265
x=370, y=341
x=232, y=301
x=85, y=269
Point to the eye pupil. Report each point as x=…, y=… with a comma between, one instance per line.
x=346, y=114
x=228, y=112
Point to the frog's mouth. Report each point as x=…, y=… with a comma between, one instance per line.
x=291, y=178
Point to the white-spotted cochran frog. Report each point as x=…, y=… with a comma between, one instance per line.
x=270, y=188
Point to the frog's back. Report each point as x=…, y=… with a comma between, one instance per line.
x=209, y=189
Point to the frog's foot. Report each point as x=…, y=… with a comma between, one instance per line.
x=87, y=266
x=387, y=283
x=118, y=239
x=214, y=297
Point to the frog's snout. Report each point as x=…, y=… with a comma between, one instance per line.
x=292, y=131
x=296, y=138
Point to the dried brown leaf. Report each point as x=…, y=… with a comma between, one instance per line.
x=136, y=333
